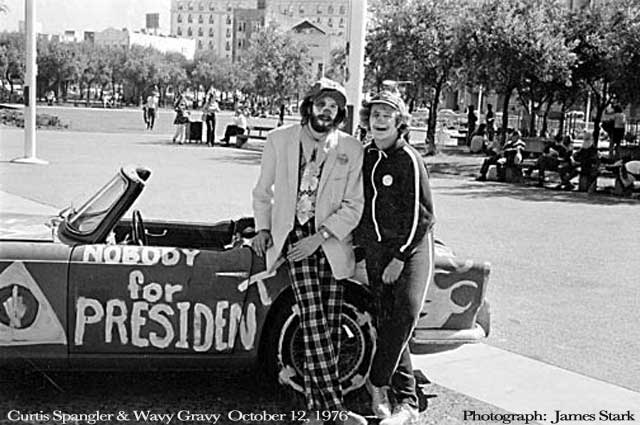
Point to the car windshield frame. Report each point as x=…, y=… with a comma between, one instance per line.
x=88, y=217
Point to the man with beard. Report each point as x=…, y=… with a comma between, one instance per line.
x=307, y=201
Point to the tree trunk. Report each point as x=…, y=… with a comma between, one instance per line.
x=505, y=114
x=545, y=117
x=430, y=139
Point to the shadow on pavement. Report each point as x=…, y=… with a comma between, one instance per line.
x=508, y=190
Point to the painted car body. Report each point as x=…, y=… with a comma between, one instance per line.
x=189, y=295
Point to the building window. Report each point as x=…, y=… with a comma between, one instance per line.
x=190, y=6
x=301, y=9
x=210, y=32
x=179, y=31
x=319, y=10
x=227, y=46
x=201, y=6
x=210, y=45
x=330, y=10
x=228, y=33
x=180, y=6
x=341, y=24
x=189, y=18
x=229, y=8
x=211, y=19
x=200, y=20
x=179, y=18
x=212, y=6
x=228, y=19
x=320, y=70
x=189, y=32
x=199, y=44
x=199, y=32
x=342, y=10
x=330, y=23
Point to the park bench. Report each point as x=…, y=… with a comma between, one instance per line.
x=253, y=132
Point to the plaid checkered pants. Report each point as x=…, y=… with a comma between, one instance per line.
x=319, y=297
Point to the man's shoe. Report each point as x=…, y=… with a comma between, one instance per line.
x=403, y=414
x=380, y=404
x=481, y=179
x=351, y=418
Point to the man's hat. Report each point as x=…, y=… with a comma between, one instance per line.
x=390, y=99
x=327, y=87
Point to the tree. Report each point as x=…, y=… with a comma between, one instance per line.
x=510, y=45
x=607, y=41
x=337, y=65
x=417, y=41
x=12, y=58
x=277, y=65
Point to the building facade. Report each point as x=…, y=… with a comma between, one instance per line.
x=209, y=22
x=164, y=44
x=333, y=15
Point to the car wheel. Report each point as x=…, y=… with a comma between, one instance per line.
x=283, y=353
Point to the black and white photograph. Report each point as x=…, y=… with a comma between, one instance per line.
x=319, y=212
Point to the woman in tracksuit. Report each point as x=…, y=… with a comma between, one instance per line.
x=396, y=233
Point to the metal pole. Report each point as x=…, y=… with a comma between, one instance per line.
x=30, y=87
x=355, y=60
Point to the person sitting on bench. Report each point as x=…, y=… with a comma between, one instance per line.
x=554, y=156
x=239, y=126
x=510, y=155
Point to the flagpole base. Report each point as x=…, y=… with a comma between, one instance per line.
x=30, y=160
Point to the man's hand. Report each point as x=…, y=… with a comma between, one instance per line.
x=392, y=271
x=305, y=247
x=261, y=242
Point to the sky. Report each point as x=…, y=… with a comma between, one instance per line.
x=56, y=16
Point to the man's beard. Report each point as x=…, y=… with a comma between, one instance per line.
x=321, y=124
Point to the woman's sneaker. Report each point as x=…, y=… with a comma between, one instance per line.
x=403, y=414
x=380, y=404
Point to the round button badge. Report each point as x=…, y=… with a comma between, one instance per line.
x=387, y=180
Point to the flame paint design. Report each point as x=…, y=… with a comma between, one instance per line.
x=441, y=305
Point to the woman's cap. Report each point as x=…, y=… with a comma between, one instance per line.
x=327, y=87
x=390, y=99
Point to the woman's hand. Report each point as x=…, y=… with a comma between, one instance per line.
x=305, y=247
x=261, y=242
x=392, y=271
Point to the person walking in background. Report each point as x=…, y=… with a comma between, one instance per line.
x=181, y=119
x=396, y=234
x=152, y=107
x=239, y=126
x=209, y=111
x=619, y=127
x=471, y=123
x=478, y=140
x=490, y=122
x=307, y=201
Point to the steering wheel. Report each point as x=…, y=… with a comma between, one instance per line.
x=138, y=233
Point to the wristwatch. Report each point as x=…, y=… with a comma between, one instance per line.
x=324, y=233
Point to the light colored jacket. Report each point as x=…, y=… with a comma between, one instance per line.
x=339, y=202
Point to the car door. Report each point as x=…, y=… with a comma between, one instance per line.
x=152, y=300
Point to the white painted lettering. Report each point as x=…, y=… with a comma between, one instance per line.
x=150, y=256
x=170, y=257
x=191, y=255
x=248, y=327
x=156, y=315
x=112, y=254
x=130, y=254
x=82, y=318
x=152, y=292
x=92, y=253
x=137, y=322
x=111, y=319
x=221, y=322
x=200, y=312
x=184, y=317
x=136, y=279
x=169, y=290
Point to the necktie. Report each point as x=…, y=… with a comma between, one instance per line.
x=306, y=205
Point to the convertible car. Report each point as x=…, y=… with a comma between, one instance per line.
x=103, y=291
